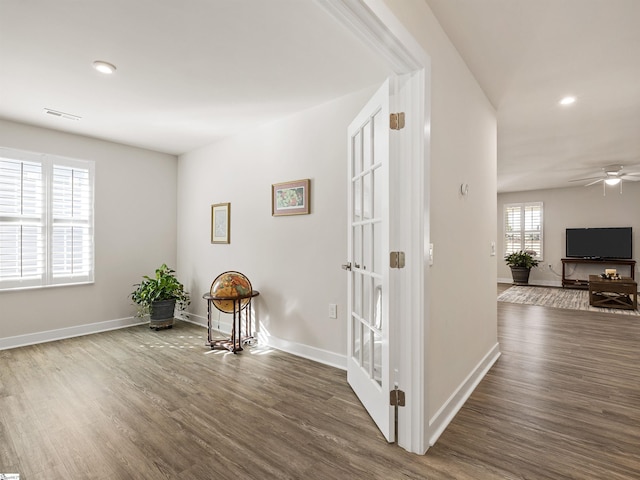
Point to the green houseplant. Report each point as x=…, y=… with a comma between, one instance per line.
x=521, y=264
x=158, y=296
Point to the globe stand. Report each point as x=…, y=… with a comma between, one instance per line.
x=235, y=342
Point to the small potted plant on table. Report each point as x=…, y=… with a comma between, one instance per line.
x=159, y=296
x=521, y=264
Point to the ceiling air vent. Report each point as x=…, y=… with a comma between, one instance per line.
x=56, y=113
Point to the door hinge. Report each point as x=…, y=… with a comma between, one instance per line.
x=396, y=260
x=396, y=121
x=396, y=398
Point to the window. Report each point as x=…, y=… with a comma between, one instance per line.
x=46, y=220
x=523, y=228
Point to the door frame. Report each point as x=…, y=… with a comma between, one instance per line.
x=374, y=23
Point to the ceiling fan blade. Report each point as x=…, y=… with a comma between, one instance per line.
x=594, y=182
x=586, y=179
x=631, y=177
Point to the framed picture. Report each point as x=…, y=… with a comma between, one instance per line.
x=290, y=198
x=221, y=223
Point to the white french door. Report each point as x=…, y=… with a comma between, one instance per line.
x=368, y=351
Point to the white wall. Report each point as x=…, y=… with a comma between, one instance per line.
x=462, y=327
x=293, y=261
x=135, y=231
x=574, y=207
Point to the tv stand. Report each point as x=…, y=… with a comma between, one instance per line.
x=573, y=283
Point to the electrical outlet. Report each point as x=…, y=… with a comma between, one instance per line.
x=333, y=310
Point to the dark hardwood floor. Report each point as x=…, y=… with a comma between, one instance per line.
x=563, y=401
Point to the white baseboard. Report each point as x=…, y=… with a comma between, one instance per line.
x=312, y=353
x=68, y=332
x=445, y=414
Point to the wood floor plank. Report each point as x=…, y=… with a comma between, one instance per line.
x=562, y=402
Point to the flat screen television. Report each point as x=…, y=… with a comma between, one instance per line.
x=605, y=243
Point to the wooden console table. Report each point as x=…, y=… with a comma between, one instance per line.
x=621, y=293
x=235, y=342
x=584, y=283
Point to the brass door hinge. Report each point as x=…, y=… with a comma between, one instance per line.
x=396, y=121
x=396, y=260
x=396, y=398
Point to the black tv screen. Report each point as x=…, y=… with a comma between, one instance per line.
x=599, y=243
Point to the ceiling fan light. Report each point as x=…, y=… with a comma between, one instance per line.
x=567, y=100
x=612, y=181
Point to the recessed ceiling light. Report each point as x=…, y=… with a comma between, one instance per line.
x=567, y=100
x=104, y=67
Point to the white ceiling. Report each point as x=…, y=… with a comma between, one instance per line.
x=192, y=72
x=188, y=72
x=527, y=55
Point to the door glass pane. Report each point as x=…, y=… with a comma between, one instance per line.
x=367, y=195
x=367, y=154
x=357, y=153
x=367, y=247
x=366, y=299
x=377, y=262
x=355, y=338
x=377, y=358
x=357, y=246
x=357, y=293
x=357, y=200
x=377, y=304
x=377, y=189
x=367, y=347
x=378, y=127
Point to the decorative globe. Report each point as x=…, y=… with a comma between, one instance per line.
x=232, y=285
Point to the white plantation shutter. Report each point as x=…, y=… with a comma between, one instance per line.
x=533, y=228
x=46, y=220
x=71, y=226
x=523, y=228
x=22, y=247
x=512, y=230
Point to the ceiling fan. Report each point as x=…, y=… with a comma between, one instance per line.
x=611, y=175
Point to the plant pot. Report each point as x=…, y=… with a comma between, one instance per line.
x=161, y=314
x=520, y=275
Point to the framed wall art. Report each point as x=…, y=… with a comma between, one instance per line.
x=221, y=223
x=290, y=198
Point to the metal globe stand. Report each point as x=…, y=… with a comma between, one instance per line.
x=238, y=302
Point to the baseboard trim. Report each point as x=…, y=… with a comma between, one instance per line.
x=68, y=332
x=439, y=422
x=312, y=353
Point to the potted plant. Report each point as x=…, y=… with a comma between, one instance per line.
x=159, y=296
x=521, y=264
